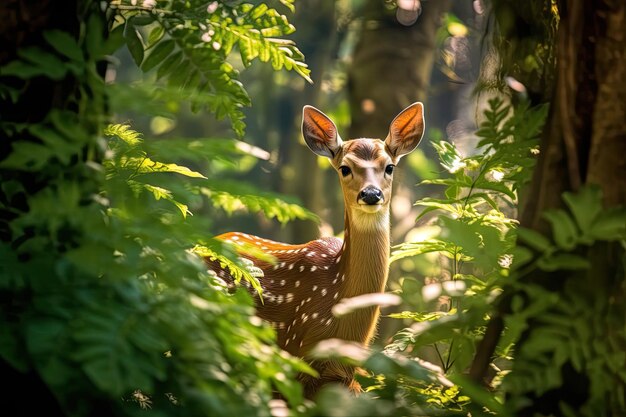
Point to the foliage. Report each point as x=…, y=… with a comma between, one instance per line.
x=576, y=327
x=477, y=232
x=105, y=298
x=188, y=45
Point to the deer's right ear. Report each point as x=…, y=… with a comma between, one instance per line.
x=406, y=130
x=320, y=133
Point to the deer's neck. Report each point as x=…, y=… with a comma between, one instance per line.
x=365, y=255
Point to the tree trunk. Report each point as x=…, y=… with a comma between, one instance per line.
x=391, y=66
x=584, y=140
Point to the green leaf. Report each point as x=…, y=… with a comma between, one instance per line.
x=125, y=133
x=495, y=186
x=158, y=55
x=134, y=42
x=36, y=62
x=418, y=248
x=534, y=239
x=585, y=205
x=609, y=225
x=563, y=261
x=236, y=269
x=148, y=166
x=169, y=64
x=155, y=35
x=162, y=193
x=64, y=44
x=27, y=156
x=564, y=229
x=448, y=156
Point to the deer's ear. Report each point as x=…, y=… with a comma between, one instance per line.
x=406, y=130
x=320, y=133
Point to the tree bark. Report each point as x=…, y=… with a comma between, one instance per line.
x=585, y=136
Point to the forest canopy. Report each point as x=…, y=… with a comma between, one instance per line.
x=135, y=132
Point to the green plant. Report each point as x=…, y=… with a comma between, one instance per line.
x=108, y=308
x=477, y=230
x=577, y=335
x=188, y=45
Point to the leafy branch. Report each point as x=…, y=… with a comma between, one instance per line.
x=190, y=48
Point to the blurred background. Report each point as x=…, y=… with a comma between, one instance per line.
x=369, y=59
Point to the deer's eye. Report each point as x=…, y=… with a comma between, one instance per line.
x=389, y=169
x=345, y=171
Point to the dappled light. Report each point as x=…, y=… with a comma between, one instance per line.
x=307, y=208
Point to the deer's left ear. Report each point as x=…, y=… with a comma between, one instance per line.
x=406, y=130
x=320, y=133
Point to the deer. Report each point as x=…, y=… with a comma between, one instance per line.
x=306, y=280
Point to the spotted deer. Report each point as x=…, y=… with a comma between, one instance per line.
x=304, y=283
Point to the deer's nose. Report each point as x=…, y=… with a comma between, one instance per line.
x=370, y=195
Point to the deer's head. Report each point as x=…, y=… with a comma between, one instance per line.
x=365, y=166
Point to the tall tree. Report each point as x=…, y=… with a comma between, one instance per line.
x=574, y=342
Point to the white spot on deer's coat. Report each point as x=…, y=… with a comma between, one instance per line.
x=301, y=268
x=281, y=325
x=313, y=268
x=280, y=299
x=338, y=259
x=282, y=282
x=289, y=297
x=314, y=288
x=314, y=315
x=235, y=238
x=308, y=299
x=335, y=281
x=297, y=309
x=336, y=295
x=323, y=255
x=294, y=337
x=324, y=292
x=304, y=318
x=297, y=284
x=312, y=253
x=282, y=264
x=328, y=322
x=275, y=267
x=291, y=266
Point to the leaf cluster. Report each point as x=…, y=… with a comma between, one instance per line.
x=107, y=302
x=188, y=45
x=565, y=293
